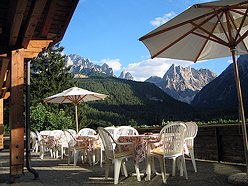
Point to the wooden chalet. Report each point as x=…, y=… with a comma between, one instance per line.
x=26, y=28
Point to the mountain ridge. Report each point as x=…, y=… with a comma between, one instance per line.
x=182, y=83
x=220, y=94
x=79, y=65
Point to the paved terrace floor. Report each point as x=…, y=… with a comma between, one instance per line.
x=57, y=172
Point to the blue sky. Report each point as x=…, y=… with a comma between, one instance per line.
x=107, y=31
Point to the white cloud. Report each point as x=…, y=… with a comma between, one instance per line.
x=153, y=67
x=113, y=63
x=161, y=20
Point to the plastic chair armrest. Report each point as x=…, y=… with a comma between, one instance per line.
x=123, y=143
x=189, y=138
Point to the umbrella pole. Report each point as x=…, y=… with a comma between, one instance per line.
x=76, y=114
x=241, y=107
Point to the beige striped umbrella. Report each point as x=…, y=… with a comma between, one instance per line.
x=75, y=96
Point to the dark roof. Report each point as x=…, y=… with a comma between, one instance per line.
x=31, y=26
x=25, y=20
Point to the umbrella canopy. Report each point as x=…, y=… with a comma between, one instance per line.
x=205, y=31
x=75, y=96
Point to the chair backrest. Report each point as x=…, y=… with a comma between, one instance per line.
x=86, y=132
x=191, y=132
x=125, y=131
x=33, y=135
x=59, y=136
x=70, y=139
x=33, y=139
x=111, y=130
x=107, y=141
x=45, y=132
x=39, y=137
x=173, y=136
x=72, y=131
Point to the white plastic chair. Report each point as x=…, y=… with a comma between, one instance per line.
x=192, y=129
x=114, y=154
x=71, y=144
x=111, y=130
x=86, y=132
x=125, y=131
x=61, y=143
x=172, y=137
x=34, y=142
x=42, y=143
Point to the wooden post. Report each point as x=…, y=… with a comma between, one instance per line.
x=1, y=125
x=16, y=117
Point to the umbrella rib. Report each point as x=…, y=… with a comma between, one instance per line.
x=206, y=40
x=47, y=100
x=97, y=96
x=70, y=98
x=187, y=33
x=241, y=8
x=238, y=12
x=238, y=30
x=218, y=40
x=81, y=98
x=221, y=24
x=241, y=24
x=64, y=99
x=232, y=43
x=93, y=96
x=173, y=27
x=242, y=37
x=77, y=98
x=209, y=38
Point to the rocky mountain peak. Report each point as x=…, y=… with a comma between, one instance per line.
x=79, y=65
x=126, y=75
x=182, y=83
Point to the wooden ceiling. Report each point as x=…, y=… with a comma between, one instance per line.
x=31, y=26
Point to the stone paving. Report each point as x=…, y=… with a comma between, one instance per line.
x=57, y=172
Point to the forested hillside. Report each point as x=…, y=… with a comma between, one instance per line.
x=131, y=102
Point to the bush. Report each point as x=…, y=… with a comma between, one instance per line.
x=42, y=119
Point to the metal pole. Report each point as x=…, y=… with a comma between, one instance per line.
x=241, y=107
x=28, y=163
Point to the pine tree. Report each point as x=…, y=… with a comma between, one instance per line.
x=49, y=75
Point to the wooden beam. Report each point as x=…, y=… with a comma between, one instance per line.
x=34, y=48
x=3, y=72
x=37, y=9
x=1, y=125
x=17, y=21
x=6, y=95
x=49, y=17
x=3, y=55
x=16, y=117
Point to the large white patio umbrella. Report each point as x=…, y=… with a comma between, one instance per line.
x=75, y=96
x=205, y=31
